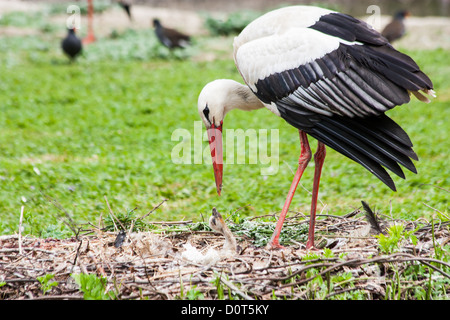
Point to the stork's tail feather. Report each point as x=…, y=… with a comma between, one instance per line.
x=419, y=95
x=376, y=143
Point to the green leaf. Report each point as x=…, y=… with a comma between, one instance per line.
x=93, y=287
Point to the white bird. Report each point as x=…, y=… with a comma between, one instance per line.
x=332, y=77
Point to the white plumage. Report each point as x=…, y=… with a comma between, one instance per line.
x=261, y=57
x=278, y=21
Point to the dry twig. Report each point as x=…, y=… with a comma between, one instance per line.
x=151, y=265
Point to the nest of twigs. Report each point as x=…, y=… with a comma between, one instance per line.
x=350, y=264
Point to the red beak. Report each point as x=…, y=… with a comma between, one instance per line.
x=215, y=144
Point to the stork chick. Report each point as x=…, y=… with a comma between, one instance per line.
x=217, y=223
x=212, y=256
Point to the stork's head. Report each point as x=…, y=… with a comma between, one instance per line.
x=216, y=222
x=211, y=107
x=216, y=99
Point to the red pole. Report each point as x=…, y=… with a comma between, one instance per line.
x=90, y=36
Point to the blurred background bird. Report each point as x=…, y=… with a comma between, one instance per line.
x=71, y=44
x=170, y=38
x=126, y=5
x=395, y=29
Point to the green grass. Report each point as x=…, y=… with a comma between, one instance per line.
x=102, y=126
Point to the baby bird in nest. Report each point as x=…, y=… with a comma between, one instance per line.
x=217, y=223
x=212, y=256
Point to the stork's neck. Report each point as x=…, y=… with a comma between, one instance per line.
x=230, y=240
x=240, y=96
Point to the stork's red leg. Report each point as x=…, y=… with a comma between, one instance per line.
x=305, y=157
x=319, y=158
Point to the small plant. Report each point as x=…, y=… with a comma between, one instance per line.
x=219, y=287
x=396, y=235
x=46, y=284
x=260, y=231
x=93, y=287
x=194, y=294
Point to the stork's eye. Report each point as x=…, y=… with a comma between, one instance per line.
x=206, y=113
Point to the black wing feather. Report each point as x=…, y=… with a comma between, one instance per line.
x=349, y=28
x=340, y=98
x=374, y=167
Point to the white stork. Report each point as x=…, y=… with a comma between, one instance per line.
x=332, y=77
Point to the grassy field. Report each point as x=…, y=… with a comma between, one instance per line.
x=73, y=133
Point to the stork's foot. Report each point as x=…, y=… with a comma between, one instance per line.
x=310, y=246
x=274, y=245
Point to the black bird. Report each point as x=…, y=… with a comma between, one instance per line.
x=395, y=29
x=126, y=5
x=169, y=37
x=71, y=44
